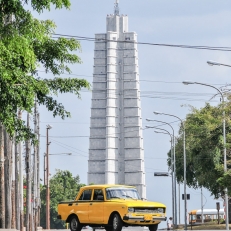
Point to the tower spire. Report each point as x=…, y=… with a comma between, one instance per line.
x=117, y=9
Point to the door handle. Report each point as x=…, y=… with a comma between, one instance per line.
x=90, y=203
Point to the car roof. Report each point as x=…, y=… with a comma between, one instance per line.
x=107, y=186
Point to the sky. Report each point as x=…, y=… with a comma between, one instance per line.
x=162, y=70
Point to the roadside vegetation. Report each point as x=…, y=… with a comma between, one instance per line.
x=63, y=187
x=204, y=149
x=27, y=46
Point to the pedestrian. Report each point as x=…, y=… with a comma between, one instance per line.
x=169, y=223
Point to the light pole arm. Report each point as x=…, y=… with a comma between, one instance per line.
x=182, y=122
x=204, y=84
x=163, y=123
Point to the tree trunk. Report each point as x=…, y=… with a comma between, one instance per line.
x=35, y=175
x=21, y=167
x=2, y=181
x=229, y=210
x=13, y=224
x=28, y=182
x=8, y=168
x=13, y=205
x=17, y=188
x=38, y=172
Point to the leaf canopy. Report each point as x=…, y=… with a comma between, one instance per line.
x=204, y=149
x=26, y=44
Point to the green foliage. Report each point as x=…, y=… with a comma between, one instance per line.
x=26, y=44
x=63, y=187
x=204, y=149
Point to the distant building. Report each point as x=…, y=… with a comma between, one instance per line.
x=116, y=154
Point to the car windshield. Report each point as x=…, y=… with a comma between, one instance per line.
x=122, y=192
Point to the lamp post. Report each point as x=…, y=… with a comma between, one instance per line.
x=213, y=63
x=173, y=167
x=184, y=147
x=47, y=181
x=224, y=143
x=172, y=138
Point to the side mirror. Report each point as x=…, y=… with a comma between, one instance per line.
x=100, y=198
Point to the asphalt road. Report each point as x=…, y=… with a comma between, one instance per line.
x=124, y=229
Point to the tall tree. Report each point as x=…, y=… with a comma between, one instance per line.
x=204, y=145
x=63, y=187
x=26, y=44
x=204, y=149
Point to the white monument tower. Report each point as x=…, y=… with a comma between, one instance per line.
x=116, y=154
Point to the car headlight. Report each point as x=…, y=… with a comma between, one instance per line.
x=160, y=210
x=131, y=210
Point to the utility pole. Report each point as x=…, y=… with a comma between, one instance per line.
x=47, y=181
x=2, y=181
x=28, y=181
x=21, y=180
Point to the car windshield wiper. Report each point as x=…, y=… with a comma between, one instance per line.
x=115, y=197
x=129, y=197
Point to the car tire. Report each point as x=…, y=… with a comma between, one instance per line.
x=153, y=227
x=75, y=224
x=116, y=223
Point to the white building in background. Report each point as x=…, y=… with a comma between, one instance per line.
x=116, y=154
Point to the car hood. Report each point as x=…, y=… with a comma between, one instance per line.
x=139, y=203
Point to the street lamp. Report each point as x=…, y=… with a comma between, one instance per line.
x=224, y=143
x=173, y=167
x=48, y=183
x=185, y=195
x=213, y=63
x=172, y=140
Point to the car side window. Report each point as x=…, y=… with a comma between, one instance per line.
x=86, y=195
x=98, y=195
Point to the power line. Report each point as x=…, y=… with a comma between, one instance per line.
x=141, y=80
x=68, y=147
x=104, y=136
x=90, y=39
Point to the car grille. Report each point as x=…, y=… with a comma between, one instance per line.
x=148, y=210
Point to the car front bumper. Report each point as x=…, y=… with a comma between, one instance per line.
x=143, y=218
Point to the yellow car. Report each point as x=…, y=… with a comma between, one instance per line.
x=111, y=207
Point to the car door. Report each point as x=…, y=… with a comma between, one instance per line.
x=82, y=206
x=96, y=207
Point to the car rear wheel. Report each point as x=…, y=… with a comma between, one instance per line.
x=75, y=224
x=153, y=227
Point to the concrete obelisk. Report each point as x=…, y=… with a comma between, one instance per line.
x=116, y=154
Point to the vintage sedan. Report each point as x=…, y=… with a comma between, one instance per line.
x=111, y=207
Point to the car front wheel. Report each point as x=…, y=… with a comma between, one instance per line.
x=117, y=223
x=153, y=227
x=75, y=224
